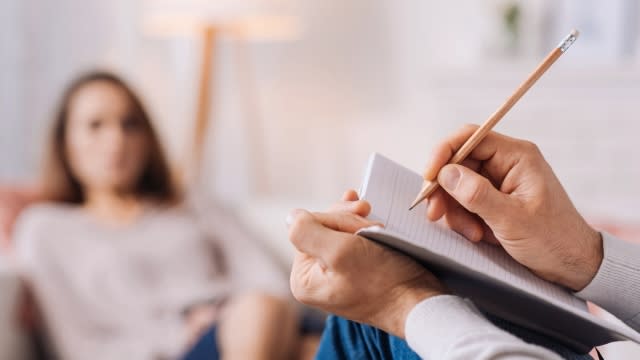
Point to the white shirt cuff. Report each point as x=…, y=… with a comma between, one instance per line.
x=434, y=324
x=448, y=327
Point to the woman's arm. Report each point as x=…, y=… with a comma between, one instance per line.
x=249, y=263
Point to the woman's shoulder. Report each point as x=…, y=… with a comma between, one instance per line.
x=37, y=227
x=42, y=217
x=46, y=212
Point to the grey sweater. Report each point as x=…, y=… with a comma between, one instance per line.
x=120, y=292
x=448, y=327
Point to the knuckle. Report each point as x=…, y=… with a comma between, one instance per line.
x=442, y=145
x=469, y=127
x=530, y=148
x=533, y=155
x=351, y=222
x=299, y=228
x=343, y=220
x=442, y=148
x=362, y=206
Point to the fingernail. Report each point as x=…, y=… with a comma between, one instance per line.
x=449, y=177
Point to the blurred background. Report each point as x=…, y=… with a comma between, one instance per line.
x=295, y=94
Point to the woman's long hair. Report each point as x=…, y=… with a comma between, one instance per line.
x=61, y=184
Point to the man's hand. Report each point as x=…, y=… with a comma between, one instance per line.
x=505, y=192
x=350, y=276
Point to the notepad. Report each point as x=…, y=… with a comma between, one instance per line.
x=482, y=272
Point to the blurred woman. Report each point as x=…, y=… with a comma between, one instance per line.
x=120, y=265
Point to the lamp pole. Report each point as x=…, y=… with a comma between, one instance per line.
x=206, y=90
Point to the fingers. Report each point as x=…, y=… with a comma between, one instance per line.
x=437, y=205
x=465, y=223
x=489, y=235
x=351, y=203
x=350, y=195
x=445, y=150
x=498, y=152
x=324, y=235
x=309, y=236
x=438, y=202
x=458, y=218
x=344, y=222
x=359, y=207
x=474, y=192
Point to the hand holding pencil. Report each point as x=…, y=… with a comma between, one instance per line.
x=501, y=190
x=430, y=184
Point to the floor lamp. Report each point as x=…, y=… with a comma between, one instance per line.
x=242, y=24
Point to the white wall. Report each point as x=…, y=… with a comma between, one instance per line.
x=12, y=124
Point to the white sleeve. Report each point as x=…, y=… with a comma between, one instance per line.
x=448, y=327
x=616, y=286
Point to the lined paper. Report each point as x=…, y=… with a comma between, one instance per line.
x=390, y=188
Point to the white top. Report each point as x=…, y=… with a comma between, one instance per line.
x=120, y=292
x=448, y=327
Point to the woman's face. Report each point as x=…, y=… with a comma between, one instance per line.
x=106, y=147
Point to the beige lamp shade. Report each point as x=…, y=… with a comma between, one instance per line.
x=255, y=19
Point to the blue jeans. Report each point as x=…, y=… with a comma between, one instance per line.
x=206, y=348
x=344, y=339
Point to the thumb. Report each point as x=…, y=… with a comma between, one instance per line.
x=474, y=192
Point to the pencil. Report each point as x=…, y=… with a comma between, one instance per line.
x=430, y=186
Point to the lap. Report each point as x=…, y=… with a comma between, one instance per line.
x=343, y=339
x=206, y=348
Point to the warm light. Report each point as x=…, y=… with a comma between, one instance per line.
x=266, y=27
x=253, y=19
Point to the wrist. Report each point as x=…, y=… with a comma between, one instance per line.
x=589, y=259
x=404, y=299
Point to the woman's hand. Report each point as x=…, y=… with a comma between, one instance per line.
x=353, y=277
x=506, y=193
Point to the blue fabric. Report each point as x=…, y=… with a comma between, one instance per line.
x=206, y=348
x=344, y=339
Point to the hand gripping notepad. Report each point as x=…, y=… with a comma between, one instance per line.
x=482, y=272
